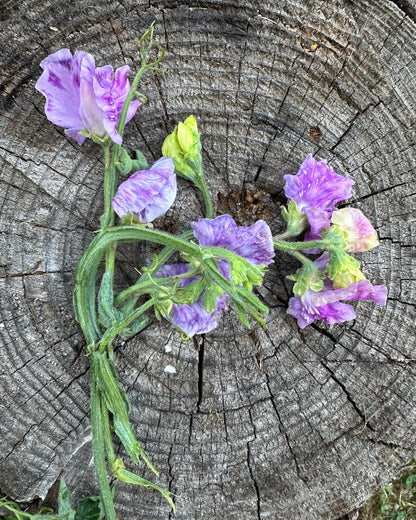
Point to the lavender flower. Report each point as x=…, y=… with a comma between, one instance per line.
x=326, y=304
x=192, y=318
x=316, y=189
x=147, y=193
x=83, y=98
x=254, y=243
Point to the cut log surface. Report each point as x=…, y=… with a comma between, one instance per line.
x=277, y=423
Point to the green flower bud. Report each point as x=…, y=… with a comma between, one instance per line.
x=296, y=222
x=342, y=268
x=183, y=145
x=307, y=277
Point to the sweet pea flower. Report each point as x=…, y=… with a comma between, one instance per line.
x=83, y=98
x=326, y=304
x=254, y=243
x=192, y=318
x=316, y=189
x=361, y=234
x=147, y=193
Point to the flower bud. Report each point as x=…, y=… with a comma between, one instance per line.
x=344, y=280
x=361, y=236
x=183, y=145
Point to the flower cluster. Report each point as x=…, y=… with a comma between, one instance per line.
x=254, y=243
x=334, y=276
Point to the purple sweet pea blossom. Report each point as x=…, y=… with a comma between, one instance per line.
x=326, y=304
x=192, y=318
x=147, y=193
x=316, y=189
x=80, y=96
x=254, y=243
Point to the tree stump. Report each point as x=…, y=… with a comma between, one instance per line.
x=277, y=423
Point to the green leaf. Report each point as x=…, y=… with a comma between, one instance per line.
x=108, y=383
x=108, y=314
x=410, y=480
x=135, y=327
x=130, y=478
x=65, y=510
x=88, y=509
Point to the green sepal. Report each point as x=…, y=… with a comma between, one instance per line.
x=65, y=510
x=140, y=162
x=296, y=222
x=190, y=293
x=307, y=277
x=335, y=236
x=209, y=298
x=124, y=166
x=340, y=262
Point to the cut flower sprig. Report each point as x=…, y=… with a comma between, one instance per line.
x=321, y=283
x=221, y=262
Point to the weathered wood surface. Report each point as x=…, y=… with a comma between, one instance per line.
x=276, y=424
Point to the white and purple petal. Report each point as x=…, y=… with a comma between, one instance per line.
x=192, y=318
x=80, y=96
x=254, y=243
x=60, y=84
x=147, y=193
x=111, y=90
x=361, y=234
x=316, y=185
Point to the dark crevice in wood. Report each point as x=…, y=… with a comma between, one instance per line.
x=201, y=352
x=347, y=394
x=408, y=8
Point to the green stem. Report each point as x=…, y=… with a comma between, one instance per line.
x=108, y=443
x=293, y=246
x=302, y=258
x=98, y=447
x=143, y=287
x=110, y=179
x=202, y=185
x=111, y=333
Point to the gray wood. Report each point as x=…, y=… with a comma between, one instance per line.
x=277, y=424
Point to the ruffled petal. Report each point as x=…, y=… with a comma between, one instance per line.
x=254, y=243
x=111, y=91
x=60, y=84
x=192, y=318
x=148, y=193
x=306, y=313
x=316, y=185
x=361, y=234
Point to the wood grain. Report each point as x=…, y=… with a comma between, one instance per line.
x=277, y=424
